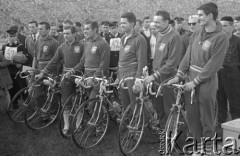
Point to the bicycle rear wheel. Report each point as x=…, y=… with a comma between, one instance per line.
x=131, y=128
x=171, y=130
x=90, y=129
x=42, y=112
x=68, y=111
x=18, y=105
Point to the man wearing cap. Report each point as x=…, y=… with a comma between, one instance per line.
x=193, y=25
x=229, y=76
x=46, y=46
x=179, y=21
x=202, y=61
x=105, y=31
x=21, y=38
x=237, y=26
x=17, y=54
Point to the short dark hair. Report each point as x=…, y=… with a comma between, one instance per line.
x=139, y=21
x=208, y=8
x=21, y=28
x=237, y=18
x=229, y=19
x=146, y=17
x=47, y=25
x=78, y=24
x=94, y=24
x=105, y=23
x=68, y=22
x=35, y=22
x=72, y=28
x=130, y=16
x=172, y=22
x=165, y=15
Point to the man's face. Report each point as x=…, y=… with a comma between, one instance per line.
x=32, y=28
x=79, y=29
x=237, y=25
x=53, y=30
x=227, y=28
x=42, y=30
x=193, y=25
x=178, y=24
x=114, y=30
x=146, y=23
x=89, y=32
x=203, y=18
x=125, y=25
x=137, y=27
x=12, y=38
x=105, y=29
x=68, y=35
x=160, y=23
x=66, y=25
x=153, y=30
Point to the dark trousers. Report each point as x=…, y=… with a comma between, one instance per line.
x=18, y=84
x=67, y=89
x=228, y=92
x=127, y=94
x=201, y=113
x=163, y=104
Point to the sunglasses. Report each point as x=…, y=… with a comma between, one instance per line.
x=189, y=24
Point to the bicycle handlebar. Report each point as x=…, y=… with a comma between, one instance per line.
x=122, y=82
x=150, y=89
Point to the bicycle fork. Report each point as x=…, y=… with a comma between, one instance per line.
x=95, y=117
x=135, y=127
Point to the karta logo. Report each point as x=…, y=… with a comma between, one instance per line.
x=168, y=144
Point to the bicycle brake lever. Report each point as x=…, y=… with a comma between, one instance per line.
x=192, y=94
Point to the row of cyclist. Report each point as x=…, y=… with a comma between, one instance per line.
x=86, y=119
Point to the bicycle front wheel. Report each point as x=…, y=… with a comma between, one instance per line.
x=42, y=112
x=68, y=111
x=131, y=128
x=18, y=105
x=91, y=122
x=171, y=130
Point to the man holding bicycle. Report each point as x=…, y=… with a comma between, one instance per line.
x=166, y=59
x=132, y=55
x=204, y=57
x=70, y=52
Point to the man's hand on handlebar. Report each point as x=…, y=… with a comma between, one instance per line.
x=189, y=86
x=149, y=79
x=39, y=76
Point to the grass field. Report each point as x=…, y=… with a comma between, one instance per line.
x=18, y=140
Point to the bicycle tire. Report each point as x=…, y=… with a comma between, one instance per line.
x=17, y=115
x=133, y=134
x=40, y=119
x=75, y=104
x=86, y=127
x=171, y=130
